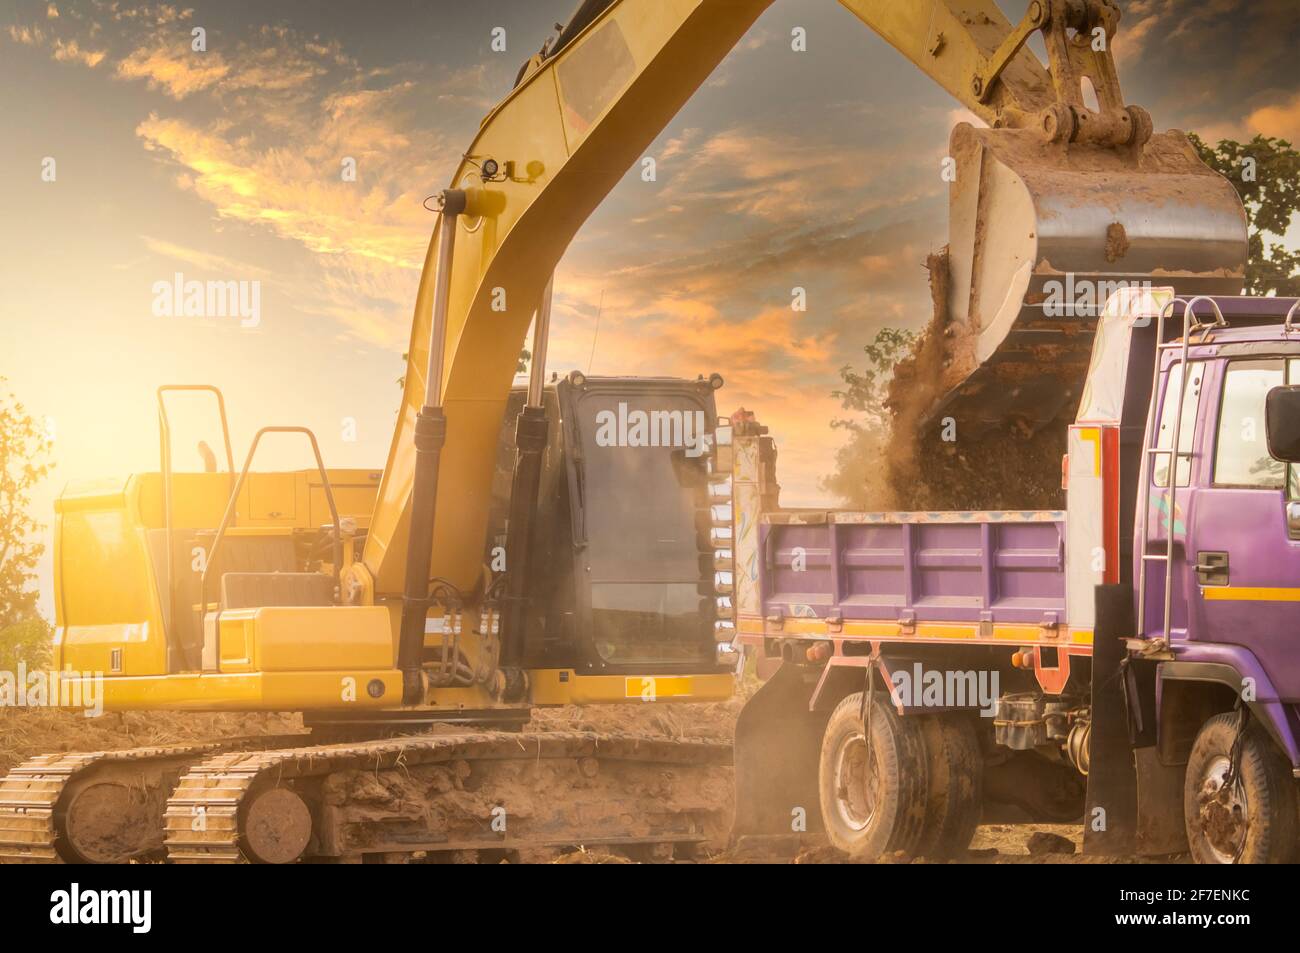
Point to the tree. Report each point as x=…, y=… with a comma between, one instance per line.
x=859, y=477
x=1266, y=174
x=24, y=451
x=25, y=643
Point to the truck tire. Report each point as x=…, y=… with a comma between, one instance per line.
x=879, y=808
x=1256, y=821
x=954, y=796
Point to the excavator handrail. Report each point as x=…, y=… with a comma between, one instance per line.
x=165, y=465
x=228, y=517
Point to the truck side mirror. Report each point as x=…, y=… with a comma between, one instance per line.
x=1282, y=423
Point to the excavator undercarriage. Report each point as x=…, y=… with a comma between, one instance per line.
x=447, y=797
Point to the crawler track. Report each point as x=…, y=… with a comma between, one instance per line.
x=457, y=797
x=101, y=806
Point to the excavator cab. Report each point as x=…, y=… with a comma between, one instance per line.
x=621, y=578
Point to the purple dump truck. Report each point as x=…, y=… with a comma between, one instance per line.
x=1126, y=664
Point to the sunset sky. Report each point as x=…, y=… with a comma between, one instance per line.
x=818, y=169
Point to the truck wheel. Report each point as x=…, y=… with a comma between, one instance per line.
x=1251, y=821
x=954, y=796
x=872, y=797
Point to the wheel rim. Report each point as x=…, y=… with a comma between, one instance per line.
x=1223, y=816
x=855, y=794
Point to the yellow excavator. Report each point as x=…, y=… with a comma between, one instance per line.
x=567, y=543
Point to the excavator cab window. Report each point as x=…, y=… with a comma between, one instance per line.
x=638, y=488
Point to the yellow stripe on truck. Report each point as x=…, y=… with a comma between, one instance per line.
x=1251, y=594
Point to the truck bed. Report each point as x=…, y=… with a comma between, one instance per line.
x=993, y=566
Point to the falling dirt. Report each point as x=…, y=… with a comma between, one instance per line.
x=1014, y=467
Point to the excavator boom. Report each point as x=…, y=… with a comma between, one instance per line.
x=1057, y=187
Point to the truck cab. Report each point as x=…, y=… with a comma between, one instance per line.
x=1236, y=542
x=1214, y=680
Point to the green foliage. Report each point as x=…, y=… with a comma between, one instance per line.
x=1266, y=174
x=24, y=450
x=26, y=642
x=859, y=463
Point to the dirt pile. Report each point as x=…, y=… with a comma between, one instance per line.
x=25, y=732
x=994, y=844
x=712, y=722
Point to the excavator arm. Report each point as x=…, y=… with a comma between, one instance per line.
x=592, y=100
x=560, y=140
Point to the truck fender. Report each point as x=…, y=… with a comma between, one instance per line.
x=1181, y=703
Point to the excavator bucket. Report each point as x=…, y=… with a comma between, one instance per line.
x=1041, y=234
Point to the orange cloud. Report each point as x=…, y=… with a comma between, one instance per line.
x=72, y=51
x=1281, y=120
x=26, y=35
x=284, y=172
x=174, y=69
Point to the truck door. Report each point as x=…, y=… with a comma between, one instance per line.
x=1245, y=561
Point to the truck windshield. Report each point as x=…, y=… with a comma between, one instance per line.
x=643, y=484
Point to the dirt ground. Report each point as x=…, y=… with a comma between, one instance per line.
x=30, y=731
x=27, y=732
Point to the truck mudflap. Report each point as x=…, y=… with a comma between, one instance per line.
x=1134, y=801
x=777, y=751
x=1111, y=805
